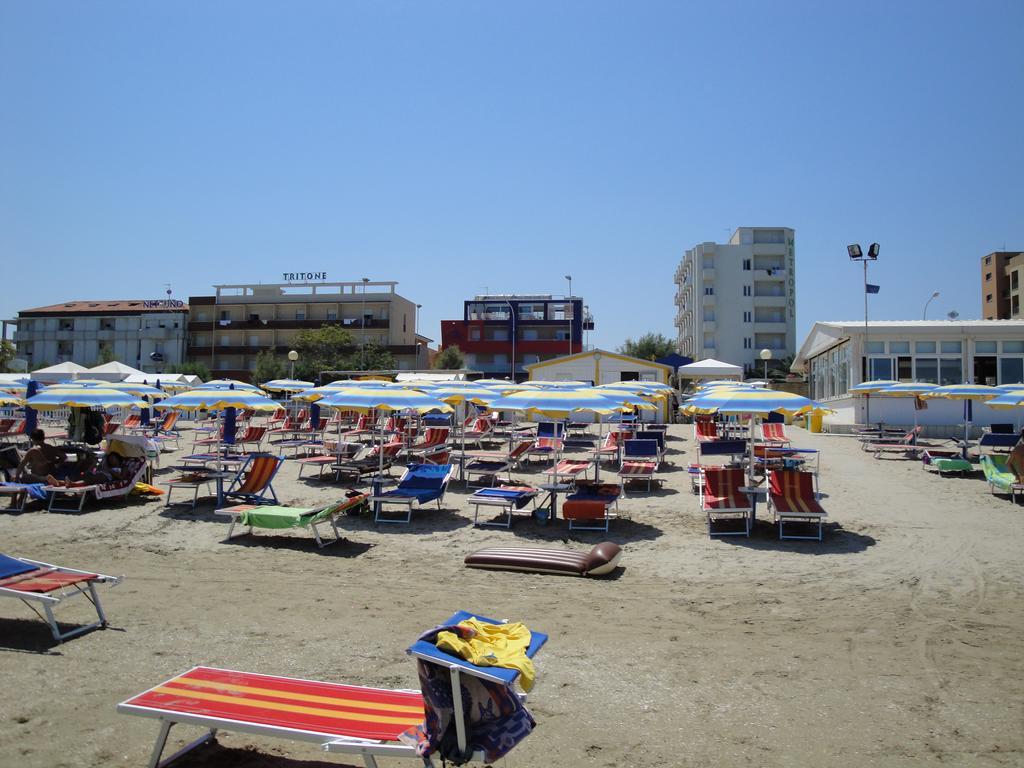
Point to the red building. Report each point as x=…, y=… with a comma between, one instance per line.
x=499, y=334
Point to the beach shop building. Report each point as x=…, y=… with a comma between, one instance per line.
x=146, y=334
x=230, y=328
x=837, y=356
x=598, y=366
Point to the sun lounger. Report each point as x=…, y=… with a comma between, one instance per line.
x=421, y=483
x=602, y=559
x=722, y=448
x=592, y=506
x=433, y=438
x=132, y=469
x=705, y=430
x=946, y=461
x=997, y=441
x=999, y=478
x=370, y=462
x=569, y=470
x=721, y=498
x=254, y=480
x=611, y=448
x=46, y=585
x=279, y=517
x=491, y=468
x=346, y=719
x=774, y=434
x=640, y=460
x=793, y=499
x=508, y=498
x=324, y=461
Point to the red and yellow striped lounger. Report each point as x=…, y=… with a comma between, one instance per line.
x=368, y=720
x=792, y=499
x=722, y=498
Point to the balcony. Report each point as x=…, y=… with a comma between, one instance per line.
x=770, y=326
x=708, y=325
x=284, y=325
x=708, y=273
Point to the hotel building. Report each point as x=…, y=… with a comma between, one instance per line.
x=147, y=335
x=500, y=334
x=1001, y=281
x=735, y=299
x=229, y=329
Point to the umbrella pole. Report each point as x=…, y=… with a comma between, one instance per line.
x=600, y=439
x=462, y=459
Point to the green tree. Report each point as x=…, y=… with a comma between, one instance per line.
x=322, y=349
x=450, y=359
x=371, y=358
x=192, y=369
x=650, y=346
x=106, y=355
x=7, y=353
x=268, y=366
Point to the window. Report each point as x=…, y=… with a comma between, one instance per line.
x=332, y=315
x=747, y=317
x=474, y=334
x=926, y=369
x=225, y=340
x=988, y=259
x=951, y=371
x=746, y=265
x=988, y=297
x=874, y=347
x=746, y=290
x=905, y=368
x=880, y=368
x=985, y=347
x=899, y=347
x=66, y=325
x=300, y=314
x=988, y=275
x=709, y=290
x=747, y=343
x=924, y=347
x=1011, y=370
x=225, y=315
x=1013, y=346
x=951, y=347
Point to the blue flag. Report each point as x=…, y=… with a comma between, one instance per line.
x=871, y=288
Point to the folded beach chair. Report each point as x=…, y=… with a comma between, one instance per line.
x=999, y=478
x=481, y=428
x=508, y=498
x=46, y=585
x=279, y=517
x=419, y=484
x=569, y=470
x=432, y=438
x=255, y=479
x=793, y=499
x=252, y=436
x=370, y=462
x=592, y=505
x=165, y=431
x=360, y=430
x=705, y=430
x=347, y=719
x=277, y=417
x=132, y=422
x=640, y=460
x=489, y=468
x=774, y=434
x=611, y=448
x=133, y=469
x=722, y=499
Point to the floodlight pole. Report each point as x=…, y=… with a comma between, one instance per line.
x=856, y=254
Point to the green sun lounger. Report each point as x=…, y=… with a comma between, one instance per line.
x=998, y=477
x=277, y=517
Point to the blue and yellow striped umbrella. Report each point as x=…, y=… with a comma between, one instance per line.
x=53, y=398
x=755, y=402
x=7, y=400
x=218, y=400
x=365, y=399
x=964, y=392
x=287, y=385
x=455, y=395
x=227, y=384
x=870, y=387
x=557, y=403
x=908, y=389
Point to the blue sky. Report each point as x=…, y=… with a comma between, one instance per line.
x=461, y=146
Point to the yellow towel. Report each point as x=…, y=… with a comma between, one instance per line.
x=493, y=645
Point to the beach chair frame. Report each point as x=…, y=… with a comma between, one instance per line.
x=714, y=514
x=380, y=501
x=340, y=507
x=48, y=601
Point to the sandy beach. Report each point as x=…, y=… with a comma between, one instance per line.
x=894, y=642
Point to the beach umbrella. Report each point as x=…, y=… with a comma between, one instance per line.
x=367, y=399
x=55, y=398
x=228, y=384
x=866, y=388
x=1004, y=387
x=287, y=385
x=222, y=401
x=7, y=400
x=754, y=403
x=14, y=388
x=463, y=394
x=968, y=393
x=913, y=389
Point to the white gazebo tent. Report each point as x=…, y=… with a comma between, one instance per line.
x=113, y=371
x=56, y=373
x=710, y=369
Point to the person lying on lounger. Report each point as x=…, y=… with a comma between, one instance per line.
x=1015, y=461
x=110, y=470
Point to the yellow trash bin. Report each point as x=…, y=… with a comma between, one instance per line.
x=815, y=422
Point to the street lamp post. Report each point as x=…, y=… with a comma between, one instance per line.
x=570, y=312
x=856, y=254
x=362, y=324
x=292, y=357
x=416, y=331
x=924, y=315
x=512, y=331
x=766, y=355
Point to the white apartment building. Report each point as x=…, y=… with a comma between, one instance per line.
x=735, y=299
x=145, y=334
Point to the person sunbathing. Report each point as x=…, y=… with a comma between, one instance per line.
x=40, y=461
x=1015, y=461
x=110, y=470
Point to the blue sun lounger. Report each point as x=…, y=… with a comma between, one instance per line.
x=507, y=498
x=420, y=484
